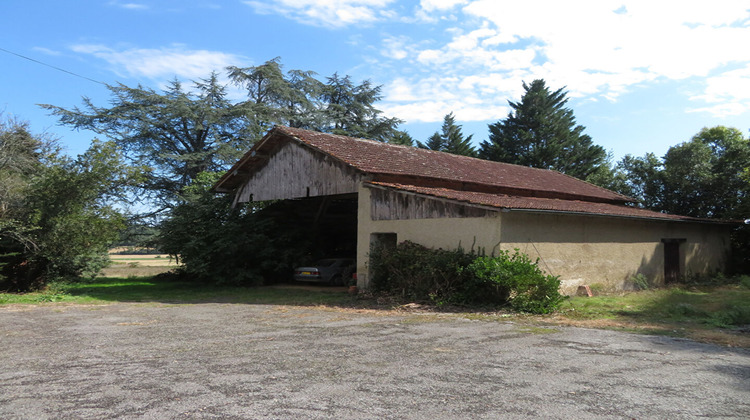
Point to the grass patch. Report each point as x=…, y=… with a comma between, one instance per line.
x=705, y=313
x=722, y=306
x=529, y=329
x=148, y=289
x=717, y=313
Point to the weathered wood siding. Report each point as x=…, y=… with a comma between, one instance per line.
x=294, y=171
x=395, y=205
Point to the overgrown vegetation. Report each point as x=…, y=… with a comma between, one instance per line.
x=416, y=272
x=442, y=276
x=514, y=278
x=252, y=244
x=57, y=217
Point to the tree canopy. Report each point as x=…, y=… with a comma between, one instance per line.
x=175, y=134
x=541, y=132
x=703, y=177
x=450, y=139
x=297, y=99
x=178, y=133
x=57, y=218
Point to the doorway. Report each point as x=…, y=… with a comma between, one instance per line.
x=672, y=266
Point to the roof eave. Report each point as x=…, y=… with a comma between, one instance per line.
x=506, y=209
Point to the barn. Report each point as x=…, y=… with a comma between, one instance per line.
x=383, y=193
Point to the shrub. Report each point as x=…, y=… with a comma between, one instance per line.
x=640, y=282
x=744, y=281
x=513, y=278
x=417, y=272
x=219, y=244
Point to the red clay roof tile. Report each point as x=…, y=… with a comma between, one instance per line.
x=513, y=186
x=378, y=158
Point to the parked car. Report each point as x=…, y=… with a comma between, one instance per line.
x=333, y=271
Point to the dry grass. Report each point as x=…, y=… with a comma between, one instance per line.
x=138, y=265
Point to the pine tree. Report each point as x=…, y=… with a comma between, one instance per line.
x=401, y=138
x=349, y=109
x=450, y=139
x=541, y=132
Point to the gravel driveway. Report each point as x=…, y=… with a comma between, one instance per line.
x=214, y=360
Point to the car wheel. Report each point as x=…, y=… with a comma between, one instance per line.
x=336, y=281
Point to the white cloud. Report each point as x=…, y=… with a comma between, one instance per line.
x=326, y=13
x=433, y=5
x=669, y=39
x=425, y=111
x=733, y=84
x=431, y=98
x=396, y=47
x=161, y=63
x=727, y=93
x=598, y=49
x=723, y=110
x=130, y=6
x=134, y=6
x=47, y=51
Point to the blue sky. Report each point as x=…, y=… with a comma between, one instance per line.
x=641, y=75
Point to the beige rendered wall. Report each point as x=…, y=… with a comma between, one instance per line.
x=609, y=251
x=580, y=249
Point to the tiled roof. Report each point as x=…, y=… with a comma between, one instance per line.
x=424, y=167
x=503, y=201
x=453, y=177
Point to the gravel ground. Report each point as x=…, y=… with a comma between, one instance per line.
x=213, y=360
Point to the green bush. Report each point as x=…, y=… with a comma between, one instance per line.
x=640, y=282
x=216, y=243
x=516, y=279
x=417, y=272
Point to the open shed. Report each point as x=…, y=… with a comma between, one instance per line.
x=583, y=233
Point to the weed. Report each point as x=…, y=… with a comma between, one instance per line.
x=744, y=281
x=537, y=330
x=732, y=316
x=456, y=277
x=597, y=288
x=640, y=282
x=683, y=309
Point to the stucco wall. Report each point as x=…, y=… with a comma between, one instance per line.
x=580, y=249
x=609, y=251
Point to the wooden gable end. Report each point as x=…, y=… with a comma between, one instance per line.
x=297, y=171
